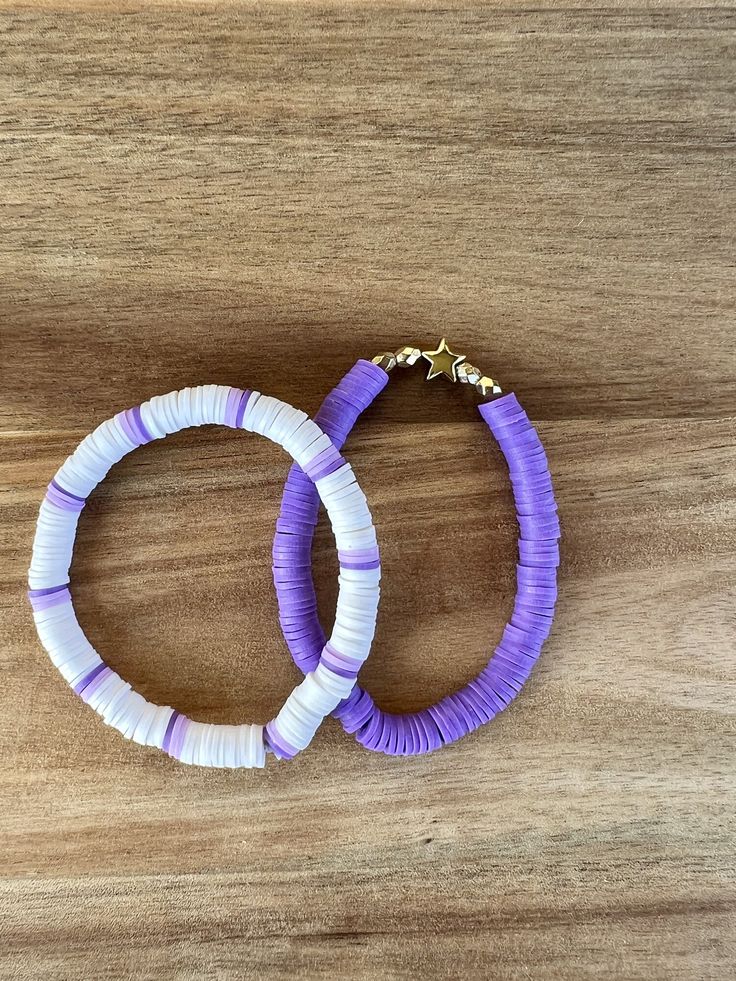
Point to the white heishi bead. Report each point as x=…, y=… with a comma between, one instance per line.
x=88, y=469
x=116, y=710
x=88, y=461
x=198, y=405
x=167, y=412
x=256, y=747
x=288, y=423
x=360, y=625
x=336, y=496
x=209, y=398
x=105, y=445
x=153, y=419
x=357, y=597
x=353, y=526
x=114, y=699
x=231, y=753
x=197, y=742
x=244, y=740
x=226, y=747
x=200, y=750
x=300, y=443
x=222, y=395
x=75, y=658
x=220, y=745
x=76, y=668
x=189, y=743
x=316, y=697
x=240, y=743
x=59, y=635
x=357, y=539
x=341, y=503
x=201, y=402
x=50, y=571
x=65, y=655
x=254, y=412
x=263, y=414
x=160, y=413
x=226, y=736
x=184, y=409
x=211, y=746
x=144, y=724
x=192, y=406
x=134, y=708
x=353, y=647
x=211, y=401
x=333, y=683
x=276, y=421
x=193, y=743
x=350, y=511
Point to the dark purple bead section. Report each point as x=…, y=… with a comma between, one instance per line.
x=242, y=406
x=74, y=497
x=277, y=744
x=48, y=591
x=89, y=677
x=139, y=424
x=503, y=677
x=62, y=498
x=165, y=745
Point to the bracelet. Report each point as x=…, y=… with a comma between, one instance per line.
x=503, y=677
x=331, y=479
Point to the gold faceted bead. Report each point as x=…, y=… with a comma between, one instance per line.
x=467, y=374
x=407, y=356
x=387, y=361
x=487, y=386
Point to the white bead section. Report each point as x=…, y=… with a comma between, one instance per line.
x=105, y=691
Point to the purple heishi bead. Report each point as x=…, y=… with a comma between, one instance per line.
x=169, y=729
x=89, y=677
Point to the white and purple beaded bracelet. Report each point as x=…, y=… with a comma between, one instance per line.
x=455, y=715
x=325, y=685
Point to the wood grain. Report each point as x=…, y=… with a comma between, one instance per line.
x=259, y=194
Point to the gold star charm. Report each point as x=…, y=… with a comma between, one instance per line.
x=443, y=362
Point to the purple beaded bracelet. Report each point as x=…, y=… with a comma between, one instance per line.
x=502, y=678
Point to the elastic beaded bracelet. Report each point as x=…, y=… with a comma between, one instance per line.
x=104, y=690
x=531, y=621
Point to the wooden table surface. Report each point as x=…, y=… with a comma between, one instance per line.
x=258, y=195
